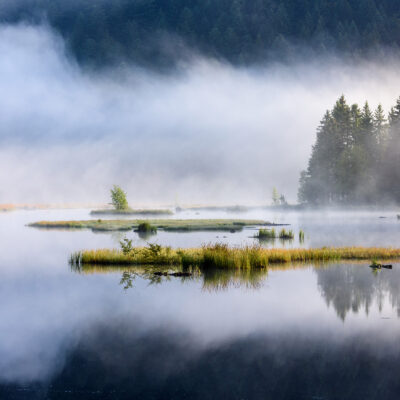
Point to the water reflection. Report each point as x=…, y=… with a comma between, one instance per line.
x=346, y=286
x=352, y=287
x=115, y=361
x=210, y=279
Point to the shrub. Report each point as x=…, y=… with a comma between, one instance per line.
x=118, y=198
x=146, y=227
x=126, y=245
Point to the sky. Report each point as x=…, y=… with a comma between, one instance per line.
x=206, y=133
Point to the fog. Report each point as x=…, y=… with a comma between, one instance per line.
x=206, y=133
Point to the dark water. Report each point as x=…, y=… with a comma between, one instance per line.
x=298, y=332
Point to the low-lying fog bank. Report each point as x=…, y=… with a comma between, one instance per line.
x=207, y=133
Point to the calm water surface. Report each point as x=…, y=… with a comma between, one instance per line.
x=298, y=332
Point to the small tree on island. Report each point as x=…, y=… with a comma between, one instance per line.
x=118, y=198
x=275, y=197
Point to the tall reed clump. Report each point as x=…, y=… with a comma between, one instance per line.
x=223, y=257
x=146, y=227
x=266, y=234
x=284, y=234
x=301, y=236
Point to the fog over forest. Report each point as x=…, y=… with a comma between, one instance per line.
x=205, y=132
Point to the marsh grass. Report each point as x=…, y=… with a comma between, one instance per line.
x=270, y=234
x=222, y=256
x=265, y=234
x=146, y=227
x=284, y=234
x=174, y=225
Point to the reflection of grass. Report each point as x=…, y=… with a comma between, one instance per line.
x=215, y=279
x=130, y=211
x=223, y=257
x=165, y=224
x=211, y=279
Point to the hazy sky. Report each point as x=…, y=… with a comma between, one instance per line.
x=210, y=133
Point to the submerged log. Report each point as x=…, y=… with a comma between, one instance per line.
x=376, y=266
x=379, y=266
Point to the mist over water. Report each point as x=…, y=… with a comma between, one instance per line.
x=208, y=132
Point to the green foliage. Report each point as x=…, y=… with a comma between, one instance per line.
x=355, y=157
x=275, y=196
x=126, y=245
x=154, y=249
x=118, y=198
x=301, y=236
x=284, y=234
x=108, y=32
x=266, y=234
x=146, y=227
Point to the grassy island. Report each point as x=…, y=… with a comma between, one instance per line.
x=223, y=256
x=130, y=211
x=177, y=225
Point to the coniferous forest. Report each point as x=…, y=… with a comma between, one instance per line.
x=159, y=32
x=356, y=157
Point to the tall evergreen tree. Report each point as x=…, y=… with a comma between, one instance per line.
x=380, y=125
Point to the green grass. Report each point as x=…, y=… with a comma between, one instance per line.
x=267, y=234
x=130, y=211
x=221, y=256
x=284, y=234
x=146, y=227
x=165, y=224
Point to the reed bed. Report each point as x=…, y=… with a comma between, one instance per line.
x=224, y=257
x=267, y=234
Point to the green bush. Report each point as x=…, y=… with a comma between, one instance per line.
x=118, y=198
x=146, y=227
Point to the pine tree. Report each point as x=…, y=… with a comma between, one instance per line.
x=317, y=183
x=380, y=125
x=367, y=137
x=394, y=115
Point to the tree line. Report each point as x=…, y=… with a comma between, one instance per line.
x=156, y=32
x=356, y=157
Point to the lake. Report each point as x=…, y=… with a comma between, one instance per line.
x=291, y=332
